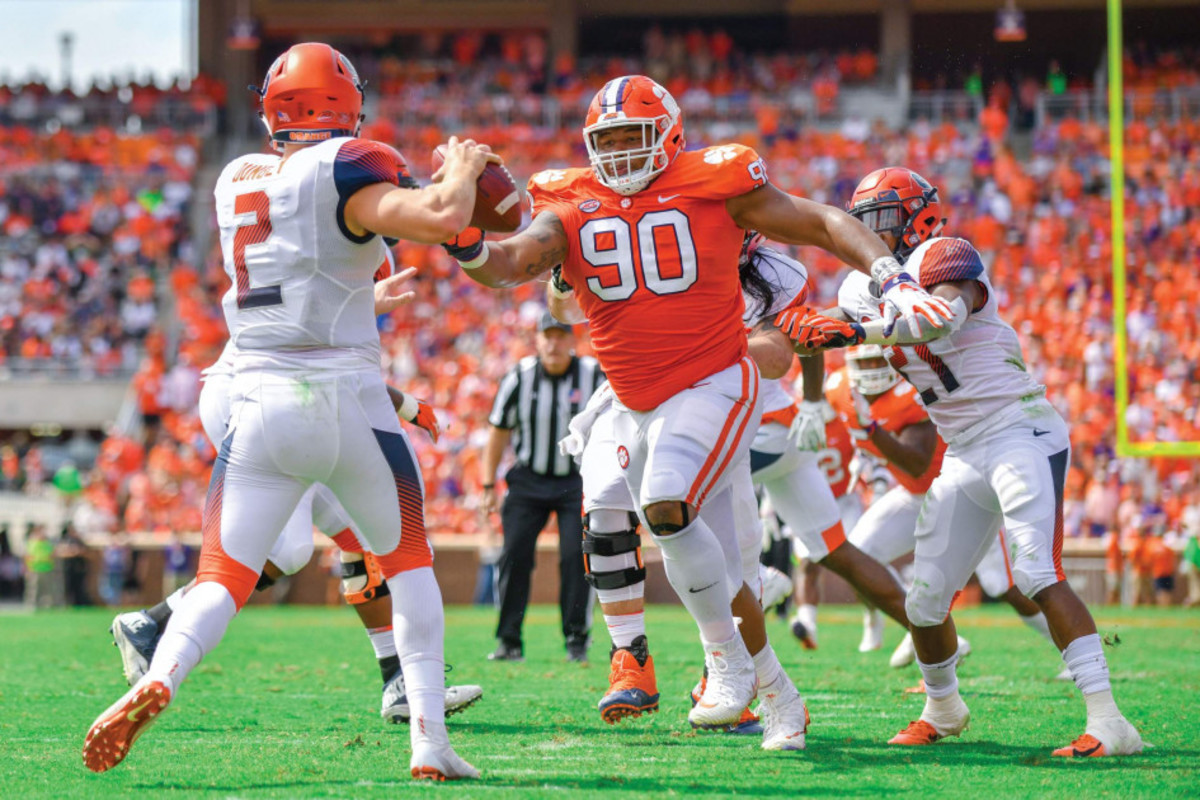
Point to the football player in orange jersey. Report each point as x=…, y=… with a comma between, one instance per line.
x=650, y=236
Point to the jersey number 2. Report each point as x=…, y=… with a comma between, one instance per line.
x=610, y=242
x=256, y=231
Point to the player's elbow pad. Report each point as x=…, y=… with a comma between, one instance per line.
x=929, y=331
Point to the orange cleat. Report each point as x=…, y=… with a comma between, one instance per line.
x=917, y=733
x=918, y=689
x=1086, y=746
x=114, y=732
x=632, y=688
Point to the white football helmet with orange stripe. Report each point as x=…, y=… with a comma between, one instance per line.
x=869, y=371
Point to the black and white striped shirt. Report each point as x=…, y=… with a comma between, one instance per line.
x=537, y=408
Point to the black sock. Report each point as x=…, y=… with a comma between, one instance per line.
x=640, y=649
x=160, y=614
x=388, y=667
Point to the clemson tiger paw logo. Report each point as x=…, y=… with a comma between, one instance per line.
x=623, y=457
x=717, y=155
x=549, y=176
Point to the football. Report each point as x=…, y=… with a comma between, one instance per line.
x=499, y=203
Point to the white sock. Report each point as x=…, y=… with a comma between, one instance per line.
x=419, y=624
x=1039, y=623
x=624, y=628
x=1101, y=704
x=807, y=614
x=383, y=641
x=174, y=598
x=1085, y=658
x=941, y=680
x=195, y=628
x=695, y=565
x=769, y=670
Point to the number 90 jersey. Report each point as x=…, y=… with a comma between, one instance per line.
x=970, y=375
x=302, y=294
x=656, y=272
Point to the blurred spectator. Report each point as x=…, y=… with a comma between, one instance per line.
x=1190, y=520
x=1164, y=562
x=1114, y=567
x=177, y=564
x=39, y=568
x=1056, y=79
x=72, y=554
x=117, y=561
x=11, y=584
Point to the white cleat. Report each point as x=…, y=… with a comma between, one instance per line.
x=964, y=648
x=872, y=637
x=395, y=706
x=732, y=683
x=904, y=654
x=776, y=587
x=1108, y=736
x=784, y=719
x=136, y=636
x=439, y=762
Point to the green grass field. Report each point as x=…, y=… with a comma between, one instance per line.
x=288, y=707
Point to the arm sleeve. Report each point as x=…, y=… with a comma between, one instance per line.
x=504, y=407
x=360, y=163
x=950, y=260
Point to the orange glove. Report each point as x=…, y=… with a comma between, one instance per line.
x=810, y=330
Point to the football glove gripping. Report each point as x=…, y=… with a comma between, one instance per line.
x=466, y=247
x=905, y=299
x=812, y=331
x=558, y=284
x=420, y=413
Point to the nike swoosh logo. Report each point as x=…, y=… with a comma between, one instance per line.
x=133, y=715
x=701, y=589
x=667, y=199
x=1085, y=753
x=1037, y=432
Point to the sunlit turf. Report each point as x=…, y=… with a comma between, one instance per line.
x=288, y=706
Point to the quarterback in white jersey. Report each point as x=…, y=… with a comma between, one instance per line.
x=1005, y=464
x=301, y=239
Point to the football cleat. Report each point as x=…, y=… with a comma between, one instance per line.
x=114, y=732
x=940, y=719
x=731, y=685
x=632, y=687
x=785, y=720
x=872, y=637
x=1105, y=737
x=136, y=637
x=904, y=654
x=439, y=762
x=748, y=724
x=395, y=702
x=804, y=634
x=776, y=587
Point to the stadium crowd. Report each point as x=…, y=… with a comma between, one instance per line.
x=94, y=236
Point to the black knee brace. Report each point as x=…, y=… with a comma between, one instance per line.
x=613, y=544
x=265, y=582
x=668, y=528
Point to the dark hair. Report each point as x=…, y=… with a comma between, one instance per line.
x=753, y=282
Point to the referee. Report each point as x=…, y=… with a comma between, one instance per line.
x=533, y=406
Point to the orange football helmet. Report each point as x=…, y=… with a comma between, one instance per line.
x=628, y=101
x=898, y=201
x=311, y=93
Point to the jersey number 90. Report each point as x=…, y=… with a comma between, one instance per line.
x=611, y=242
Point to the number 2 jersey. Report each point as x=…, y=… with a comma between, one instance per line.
x=302, y=294
x=969, y=376
x=656, y=272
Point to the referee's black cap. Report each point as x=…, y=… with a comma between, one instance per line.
x=547, y=322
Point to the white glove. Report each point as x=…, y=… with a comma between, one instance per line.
x=807, y=432
x=904, y=298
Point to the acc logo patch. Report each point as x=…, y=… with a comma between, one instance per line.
x=623, y=457
x=588, y=206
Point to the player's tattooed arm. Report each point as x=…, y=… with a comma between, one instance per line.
x=523, y=257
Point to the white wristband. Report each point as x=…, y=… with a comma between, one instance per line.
x=476, y=262
x=408, y=408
